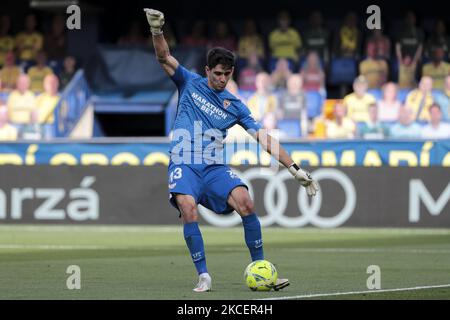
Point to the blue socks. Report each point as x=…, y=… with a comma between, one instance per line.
x=253, y=237
x=194, y=241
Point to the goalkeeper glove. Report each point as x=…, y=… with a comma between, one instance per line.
x=305, y=179
x=155, y=19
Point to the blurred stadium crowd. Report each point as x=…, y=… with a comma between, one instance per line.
x=35, y=68
x=303, y=78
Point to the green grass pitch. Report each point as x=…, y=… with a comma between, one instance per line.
x=150, y=262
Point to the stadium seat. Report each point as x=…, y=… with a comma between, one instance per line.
x=273, y=62
x=302, y=61
x=291, y=128
x=377, y=93
x=402, y=94
x=425, y=60
x=342, y=71
x=436, y=93
x=245, y=94
x=241, y=63
x=393, y=65
x=57, y=66
x=4, y=96
x=360, y=126
x=25, y=65
x=314, y=103
x=388, y=125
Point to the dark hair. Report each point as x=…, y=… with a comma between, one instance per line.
x=435, y=105
x=221, y=56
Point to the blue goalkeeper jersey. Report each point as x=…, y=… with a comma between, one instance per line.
x=203, y=117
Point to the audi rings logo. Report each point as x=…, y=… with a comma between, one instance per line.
x=309, y=213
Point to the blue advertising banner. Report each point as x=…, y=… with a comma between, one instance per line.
x=312, y=153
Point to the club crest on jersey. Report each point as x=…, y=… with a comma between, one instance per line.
x=226, y=103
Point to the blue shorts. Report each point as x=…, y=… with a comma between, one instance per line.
x=210, y=185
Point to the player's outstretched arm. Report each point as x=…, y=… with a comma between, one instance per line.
x=155, y=19
x=273, y=146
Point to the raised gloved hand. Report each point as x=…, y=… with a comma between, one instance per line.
x=155, y=19
x=305, y=179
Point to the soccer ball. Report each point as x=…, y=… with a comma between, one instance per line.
x=260, y=275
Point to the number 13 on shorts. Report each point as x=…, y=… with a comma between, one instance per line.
x=177, y=173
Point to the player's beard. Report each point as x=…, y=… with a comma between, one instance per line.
x=220, y=85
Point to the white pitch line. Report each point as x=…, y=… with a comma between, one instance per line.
x=334, y=294
x=305, y=250
x=365, y=250
x=74, y=247
x=51, y=247
x=176, y=228
x=91, y=228
x=352, y=250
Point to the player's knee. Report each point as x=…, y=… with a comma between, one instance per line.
x=246, y=206
x=188, y=211
x=189, y=217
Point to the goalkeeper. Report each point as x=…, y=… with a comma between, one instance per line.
x=205, y=111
